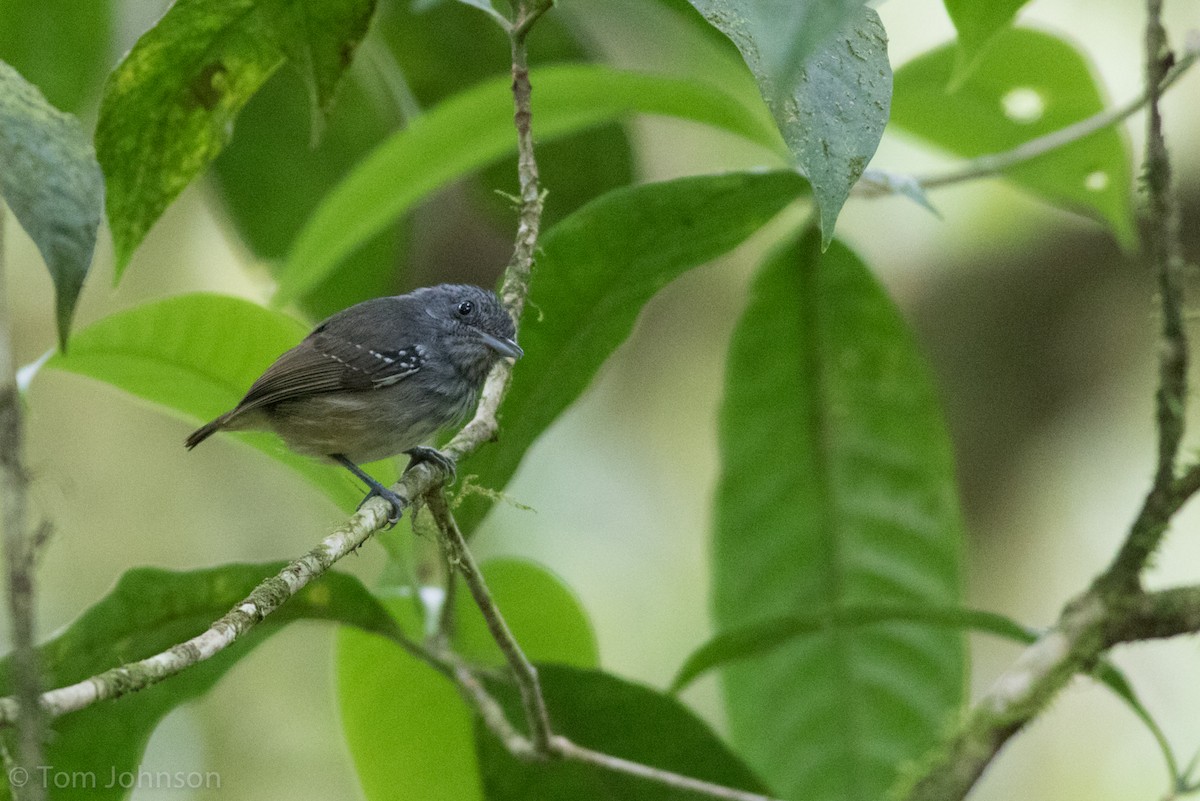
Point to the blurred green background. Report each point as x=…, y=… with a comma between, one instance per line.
x=1041, y=336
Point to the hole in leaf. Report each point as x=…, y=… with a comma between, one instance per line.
x=1023, y=105
x=1096, y=181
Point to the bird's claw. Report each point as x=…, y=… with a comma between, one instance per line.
x=435, y=457
x=395, y=500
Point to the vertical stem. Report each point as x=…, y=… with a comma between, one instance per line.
x=18, y=556
x=1164, y=254
x=523, y=670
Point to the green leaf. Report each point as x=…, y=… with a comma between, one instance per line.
x=833, y=106
x=147, y=612
x=602, y=712
x=779, y=36
x=50, y=179
x=169, y=106
x=837, y=487
x=977, y=24
x=473, y=129
x=60, y=46
x=271, y=178
x=755, y=639
x=407, y=728
x=596, y=270
x=486, y=7
x=197, y=355
x=1026, y=85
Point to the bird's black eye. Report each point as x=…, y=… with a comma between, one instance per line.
x=465, y=308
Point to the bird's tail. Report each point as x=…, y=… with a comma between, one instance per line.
x=207, y=430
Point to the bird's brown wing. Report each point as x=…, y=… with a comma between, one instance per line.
x=327, y=362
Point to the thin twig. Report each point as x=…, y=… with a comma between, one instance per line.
x=265, y=599
x=565, y=749
x=19, y=552
x=523, y=670
x=996, y=163
x=562, y=748
x=1114, y=609
x=1164, y=253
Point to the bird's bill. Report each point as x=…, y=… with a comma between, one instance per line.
x=505, y=347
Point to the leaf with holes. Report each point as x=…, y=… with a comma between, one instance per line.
x=50, y=179
x=833, y=107
x=169, y=106
x=837, y=487
x=1026, y=85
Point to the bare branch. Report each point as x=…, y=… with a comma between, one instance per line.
x=1114, y=609
x=20, y=548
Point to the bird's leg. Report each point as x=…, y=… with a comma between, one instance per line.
x=434, y=456
x=377, y=489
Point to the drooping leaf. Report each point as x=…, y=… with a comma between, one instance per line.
x=474, y=128
x=977, y=24
x=781, y=34
x=408, y=730
x=147, y=612
x=1027, y=84
x=169, y=106
x=608, y=714
x=197, y=355
x=595, y=272
x=762, y=637
x=832, y=104
x=837, y=487
x=60, y=46
x=50, y=179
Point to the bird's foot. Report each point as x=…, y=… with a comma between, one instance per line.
x=398, y=503
x=433, y=456
x=377, y=489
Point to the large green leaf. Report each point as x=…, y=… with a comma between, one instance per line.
x=50, y=179
x=832, y=104
x=408, y=730
x=977, y=23
x=60, y=46
x=169, y=106
x=836, y=487
x=147, y=612
x=602, y=712
x=781, y=34
x=761, y=637
x=1027, y=84
x=197, y=355
x=473, y=129
x=596, y=270
x=271, y=177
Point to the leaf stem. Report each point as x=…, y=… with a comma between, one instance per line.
x=876, y=183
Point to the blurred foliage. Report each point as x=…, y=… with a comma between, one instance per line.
x=381, y=158
x=148, y=612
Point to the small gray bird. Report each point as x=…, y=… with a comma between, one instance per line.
x=379, y=378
